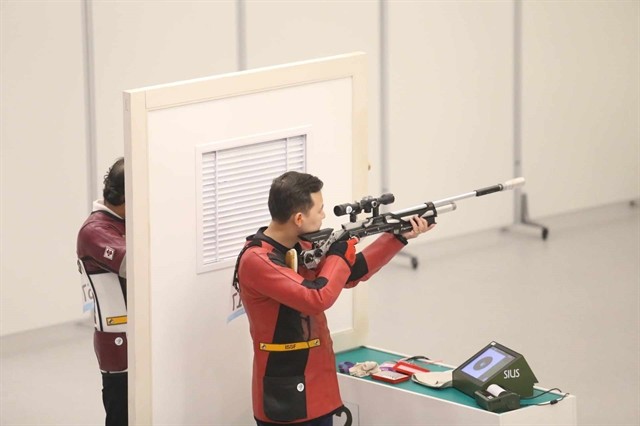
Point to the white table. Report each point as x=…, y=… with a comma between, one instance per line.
x=378, y=403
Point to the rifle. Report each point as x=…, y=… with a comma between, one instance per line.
x=393, y=222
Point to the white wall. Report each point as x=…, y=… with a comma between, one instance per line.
x=143, y=43
x=44, y=174
x=450, y=108
x=283, y=31
x=581, y=109
x=450, y=123
x=43, y=111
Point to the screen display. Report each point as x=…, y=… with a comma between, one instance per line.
x=488, y=363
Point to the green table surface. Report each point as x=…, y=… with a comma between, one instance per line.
x=363, y=353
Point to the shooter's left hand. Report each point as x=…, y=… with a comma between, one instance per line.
x=420, y=226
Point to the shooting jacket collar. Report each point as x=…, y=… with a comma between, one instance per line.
x=99, y=206
x=280, y=247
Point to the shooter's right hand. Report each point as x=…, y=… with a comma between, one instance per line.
x=345, y=249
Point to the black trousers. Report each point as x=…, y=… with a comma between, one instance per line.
x=114, y=398
x=322, y=421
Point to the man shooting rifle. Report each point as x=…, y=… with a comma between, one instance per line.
x=294, y=371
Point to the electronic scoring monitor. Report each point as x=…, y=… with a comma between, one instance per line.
x=497, y=364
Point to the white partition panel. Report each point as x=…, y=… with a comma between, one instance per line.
x=580, y=103
x=451, y=108
x=187, y=366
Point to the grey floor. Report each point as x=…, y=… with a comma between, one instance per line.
x=570, y=305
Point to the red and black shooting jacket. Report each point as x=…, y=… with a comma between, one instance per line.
x=101, y=250
x=294, y=369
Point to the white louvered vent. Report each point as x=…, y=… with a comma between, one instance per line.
x=234, y=192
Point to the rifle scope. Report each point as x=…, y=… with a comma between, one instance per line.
x=366, y=204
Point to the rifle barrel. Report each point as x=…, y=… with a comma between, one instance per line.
x=420, y=208
x=444, y=201
x=510, y=184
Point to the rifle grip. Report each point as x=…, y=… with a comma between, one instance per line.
x=431, y=220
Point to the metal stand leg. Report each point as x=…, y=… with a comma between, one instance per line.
x=524, y=217
x=414, y=259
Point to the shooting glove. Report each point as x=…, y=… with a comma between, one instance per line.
x=345, y=249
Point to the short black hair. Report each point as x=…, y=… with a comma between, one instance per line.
x=113, y=191
x=291, y=193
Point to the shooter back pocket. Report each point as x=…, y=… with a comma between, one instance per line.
x=285, y=398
